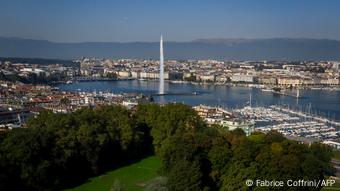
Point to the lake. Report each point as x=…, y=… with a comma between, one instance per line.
x=326, y=103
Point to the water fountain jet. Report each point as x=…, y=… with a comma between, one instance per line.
x=161, y=68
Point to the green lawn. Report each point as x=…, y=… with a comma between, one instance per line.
x=132, y=177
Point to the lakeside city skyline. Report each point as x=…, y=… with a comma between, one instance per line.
x=241, y=95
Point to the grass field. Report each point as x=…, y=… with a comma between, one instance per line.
x=132, y=177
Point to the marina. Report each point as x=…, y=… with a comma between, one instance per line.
x=292, y=123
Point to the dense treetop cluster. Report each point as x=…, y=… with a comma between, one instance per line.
x=57, y=151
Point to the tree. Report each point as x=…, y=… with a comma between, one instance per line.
x=61, y=150
x=219, y=156
x=58, y=150
x=172, y=119
x=185, y=176
x=64, y=101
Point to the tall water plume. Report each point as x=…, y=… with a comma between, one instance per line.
x=161, y=68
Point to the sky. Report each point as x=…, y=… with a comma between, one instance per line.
x=176, y=20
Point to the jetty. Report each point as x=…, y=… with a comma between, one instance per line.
x=297, y=95
x=176, y=94
x=92, y=79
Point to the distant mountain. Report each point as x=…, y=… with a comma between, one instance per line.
x=225, y=49
x=41, y=61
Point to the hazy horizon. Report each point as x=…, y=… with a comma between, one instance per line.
x=179, y=21
x=164, y=39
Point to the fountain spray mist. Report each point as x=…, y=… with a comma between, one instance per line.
x=161, y=68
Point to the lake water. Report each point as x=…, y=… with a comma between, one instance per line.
x=326, y=103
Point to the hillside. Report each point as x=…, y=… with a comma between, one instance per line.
x=225, y=49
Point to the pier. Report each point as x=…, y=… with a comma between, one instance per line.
x=90, y=79
x=177, y=94
x=297, y=95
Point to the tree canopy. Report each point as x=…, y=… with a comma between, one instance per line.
x=56, y=151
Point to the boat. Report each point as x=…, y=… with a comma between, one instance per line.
x=267, y=90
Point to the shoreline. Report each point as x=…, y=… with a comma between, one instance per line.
x=249, y=85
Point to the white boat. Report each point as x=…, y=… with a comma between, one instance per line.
x=267, y=90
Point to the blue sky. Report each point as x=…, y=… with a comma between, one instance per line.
x=177, y=20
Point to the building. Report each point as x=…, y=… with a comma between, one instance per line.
x=246, y=126
x=205, y=77
x=153, y=75
x=13, y=118
x=330, y=81
x=224, y=118
x=268, y=80
x=135, y=74
x=124, y=74
x=242, y=78
x=289, y=81
x=130, y=104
